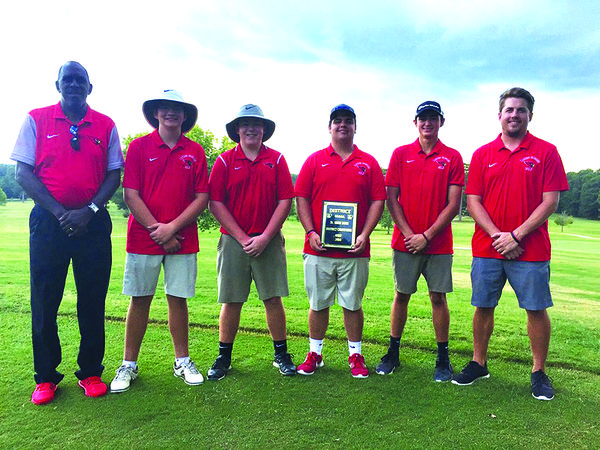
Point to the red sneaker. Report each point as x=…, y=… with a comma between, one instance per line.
x=93, y=387
x=44, y=393
x=310, y=364
x=358, y=366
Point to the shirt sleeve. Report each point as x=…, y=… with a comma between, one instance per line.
x=285, y=188
x=457, y=171
x=217, y=181
x=115, y=155
x=201, y=176
x=377, y=183
x=392, y=175
x=304, y=182
x=24, y=150
x=555, y=178
x=131, y=176
x=475, y=181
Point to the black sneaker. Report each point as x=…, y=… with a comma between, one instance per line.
x=470, y=373
x=219, y=368
x=285, y=365
x=388, y=363
x=443, y=371
x=541, y=386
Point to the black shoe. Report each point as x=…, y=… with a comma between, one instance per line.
x=219, y=368
x=284, y=363
x=541, y=386
x=470, y=373
x=443, y=371
x=388, y=363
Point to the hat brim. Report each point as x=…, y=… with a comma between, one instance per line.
x=191, y=113
x=439, y=113
x=231, y=128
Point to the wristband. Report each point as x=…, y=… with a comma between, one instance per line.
x=423, y=234
x=93, y=207
x=308, y=233
x=515, y=238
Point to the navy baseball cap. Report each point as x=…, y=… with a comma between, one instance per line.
x=337, y=110
x=429, y=106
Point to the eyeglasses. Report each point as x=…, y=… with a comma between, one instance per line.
x=75, y=138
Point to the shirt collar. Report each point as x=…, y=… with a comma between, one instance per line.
x=498, y=144
x=60, y=114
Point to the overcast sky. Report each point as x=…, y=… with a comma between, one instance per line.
x=297, y=60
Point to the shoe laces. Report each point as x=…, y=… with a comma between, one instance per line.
x=47, y=386
x=190, y=366
x=389, y=356
x=357, y=360
x=540, y=378
x=286, y=359
x=92, y=380
x=123, y=372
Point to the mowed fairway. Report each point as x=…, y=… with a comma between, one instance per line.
x=255, y=407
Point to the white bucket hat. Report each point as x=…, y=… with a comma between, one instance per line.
x=250, y=111
x=191, y=112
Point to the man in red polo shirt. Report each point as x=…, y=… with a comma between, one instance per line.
x=251, y=194
x=165, y=186
x=514, y=186
x=69, y=162
x=424, y=185
x=339, y=174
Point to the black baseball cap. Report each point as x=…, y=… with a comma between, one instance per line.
x=429, y=105
x=337, y=110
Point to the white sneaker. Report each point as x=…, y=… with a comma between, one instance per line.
x=188, y=373
x=125, y=375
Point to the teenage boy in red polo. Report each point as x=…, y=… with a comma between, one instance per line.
x=424, y=183
x=514, y=186
x=69, y=162
x=339, y=173
x=251, y=194
x=165, y=186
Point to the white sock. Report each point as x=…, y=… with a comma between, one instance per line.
x=132, y=364
x=180, y=361
x=316, y=345
x=354, y=347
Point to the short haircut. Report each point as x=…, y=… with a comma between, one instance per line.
x=517, y=92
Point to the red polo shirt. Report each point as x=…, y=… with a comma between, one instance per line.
x=71, y=176
x=167, y=181
x=424, y=181
x=511, y=185
x=251, y=190
x=325, y=177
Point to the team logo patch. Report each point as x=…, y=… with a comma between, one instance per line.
x=269, y=165
x=530, y=162
x=362, y=167
x=441, y=162
x=188, y=160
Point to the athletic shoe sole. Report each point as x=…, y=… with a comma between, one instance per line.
x=542, y=397
x=469, y=384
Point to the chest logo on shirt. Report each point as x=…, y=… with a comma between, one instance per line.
x=269, y=165
x=530, y=162
x=441, y=162
x=362, y=167
x=188, y=161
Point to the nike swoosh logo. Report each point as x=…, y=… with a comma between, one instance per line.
x=324, y=165
x=409, y=161
x=492, y=165
x=50, y=136
x=153, y=159
x=236, y=168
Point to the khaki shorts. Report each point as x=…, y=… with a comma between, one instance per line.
x=324, y=276
x=236, y=270
x=437, y=270
x=141, y=274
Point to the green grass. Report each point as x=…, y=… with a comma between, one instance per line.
x=254, y=407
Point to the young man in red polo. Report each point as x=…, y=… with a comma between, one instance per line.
x=340, y=174
x=514, y=186
x=165, y=186
x=424, y=185
x=251, y=194
x=69, y=162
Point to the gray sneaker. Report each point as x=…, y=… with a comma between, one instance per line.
x=123, y=378
x=443, y=371
x=188, y=373
x=285, y=365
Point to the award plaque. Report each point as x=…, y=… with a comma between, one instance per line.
x=339, y=224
